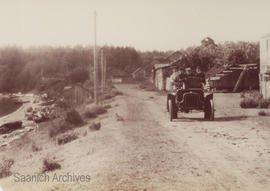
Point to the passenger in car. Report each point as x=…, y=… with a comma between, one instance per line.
x=200, y=74
x=180, y=78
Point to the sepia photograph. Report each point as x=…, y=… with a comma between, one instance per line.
x=134, y=95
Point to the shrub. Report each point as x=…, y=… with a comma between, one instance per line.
x=49, y=165
x=249, y=103
x=254, y=100
x=61, y=128
x=95, y=126
x=253, y=94
x=67, y=138
x=73, y=117
x=5, y=167
x=264, y=103
x=94, y=111
x=262, y=113
x=29, y=109
x=72, y=120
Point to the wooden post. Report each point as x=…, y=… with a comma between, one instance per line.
x=105, y=68
x=102, y=73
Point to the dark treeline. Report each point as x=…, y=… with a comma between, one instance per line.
x=22, y=69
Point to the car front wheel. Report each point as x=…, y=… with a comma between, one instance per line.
x=172, y=110
x=209, y=110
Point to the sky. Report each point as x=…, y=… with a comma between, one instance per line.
x=142, y=24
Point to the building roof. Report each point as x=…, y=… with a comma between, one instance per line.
x=137, y=70
x=145, y=67
x=174, y=56
x=159, y=66
x=157, y=61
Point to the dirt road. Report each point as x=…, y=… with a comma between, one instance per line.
x=147, y=152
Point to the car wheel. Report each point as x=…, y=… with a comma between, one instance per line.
x=172, y=110
x=212, y=116
x=209, y=110
x=167, y=105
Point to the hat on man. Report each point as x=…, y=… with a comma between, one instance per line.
x=188, y=69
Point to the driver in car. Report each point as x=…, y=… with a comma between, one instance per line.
x=189, y=72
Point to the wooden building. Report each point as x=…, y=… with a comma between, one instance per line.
x=118, y=76
x=163, y=68
x=76, y=94
x=236, y=78
x=160, y=75
x=265, y=66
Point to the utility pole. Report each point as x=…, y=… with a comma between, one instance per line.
x=95, y=63
x=102, y=73
x=105, y=68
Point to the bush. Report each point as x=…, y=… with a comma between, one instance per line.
x=67, y=138
x=254, y=101
x=61, y=128
x=72, y=120
x=264, y=103
x=253, y=94
x=5, y=167
x=262, y=113
x=49, y=165
x=94, y=111
x=249, y=103
x=29, y=109
x=95, y=126
x=74, y=117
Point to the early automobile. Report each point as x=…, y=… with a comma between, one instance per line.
x=191, y=96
